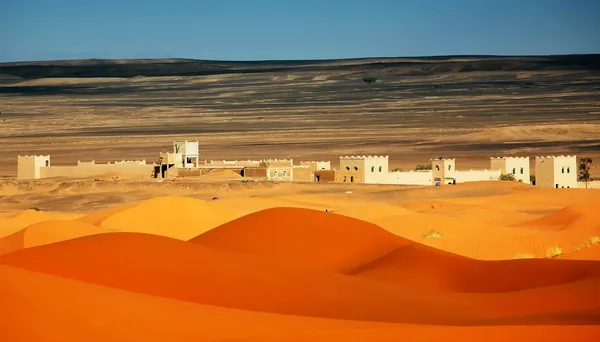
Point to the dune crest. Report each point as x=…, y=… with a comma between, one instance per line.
x=304, y=237
x=173, y=216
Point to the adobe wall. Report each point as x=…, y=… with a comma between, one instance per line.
x=181, y=172
x=556, y=172
x=410, y=177
x=240, y=163
x=87, y=170
x=376, y=170
x=28, y=167
x=317, y=165
x=565, y=171
x=517, y=166
x=443, y=170
x=302, y=174
x=281, y=173
x=325, y=175
x=349, y=176
x=476, y=175
x=255, y=172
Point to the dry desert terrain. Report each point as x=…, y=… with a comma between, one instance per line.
x=215, y=258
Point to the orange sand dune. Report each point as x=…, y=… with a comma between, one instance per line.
x=46, y=232
x=97, y=217
x=186, y=271
x=305, y=237
x=426, y=267
x=92, y=313
x=473, y=238
x=16, y=221
x=452, y=208
x=173, y=216
x=570, y=217
x=587, y=253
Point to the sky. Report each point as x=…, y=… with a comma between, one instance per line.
x=290, y=30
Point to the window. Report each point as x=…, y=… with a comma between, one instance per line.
x=557, y=186
x=514, y=171
x=437, y=167
x=372, y=168
x=284, y=173
x=356, y=168
x=47, y=163
x=351, y=179
x=521, y=170
x=563, y=170
x=568, y=170
x=275, y=173
x=348, y=168
x=344, y=178
x=380, y=168
x=449, y=167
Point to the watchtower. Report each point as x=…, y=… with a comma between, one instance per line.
x=443, y=170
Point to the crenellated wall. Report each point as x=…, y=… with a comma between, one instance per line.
x=88, y=169
x=556, y=172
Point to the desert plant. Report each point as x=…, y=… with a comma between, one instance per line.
x=508, y=177
x=524, y=256
x=433, y=234
x=370, y=79
x=423, y=167
x=584, y=170
x=592, y=240
x=397, y=170
x=553, y=252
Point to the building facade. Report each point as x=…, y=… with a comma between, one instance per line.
x=556, y=172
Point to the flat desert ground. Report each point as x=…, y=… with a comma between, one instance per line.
x=215, y=258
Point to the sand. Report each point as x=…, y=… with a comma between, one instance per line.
x=270, y=264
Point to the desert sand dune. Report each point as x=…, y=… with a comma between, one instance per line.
x=426, y=267
x=304, y=237
x=173, y=216
x=46, y=232
x=106, y=314
x=570, y=217
x=586, y=253
x=20, y=220
x=186, y=271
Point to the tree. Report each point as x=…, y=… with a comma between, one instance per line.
x=370, y=79
x=584, y=170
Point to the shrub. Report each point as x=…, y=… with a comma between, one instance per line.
x=397, y=170
x=423, y=167
x=433, y=234
x=553, y=252
x=370, y=79
x=508, y=177
x=592, y=240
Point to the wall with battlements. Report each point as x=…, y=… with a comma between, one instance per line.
x=137, y=168
x=556, y=172
x=28, y=167
x=517, y=166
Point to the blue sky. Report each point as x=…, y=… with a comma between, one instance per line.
x=300, y=29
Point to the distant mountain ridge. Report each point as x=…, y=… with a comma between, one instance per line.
x=415, y=66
